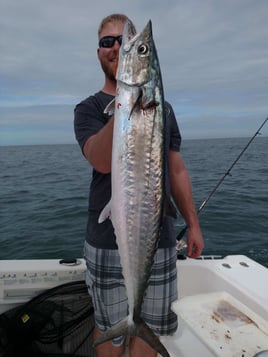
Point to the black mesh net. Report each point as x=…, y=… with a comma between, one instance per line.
x=58, y=322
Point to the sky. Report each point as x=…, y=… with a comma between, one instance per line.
x=213, y=56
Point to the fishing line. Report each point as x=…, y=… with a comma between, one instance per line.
x=181, y=244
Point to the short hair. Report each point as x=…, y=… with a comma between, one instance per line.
x=113, y=18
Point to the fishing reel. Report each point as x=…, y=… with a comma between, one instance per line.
x=181, y=246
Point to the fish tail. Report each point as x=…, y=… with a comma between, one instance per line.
x=120, y=329
x=139, y=329
x=145, y=333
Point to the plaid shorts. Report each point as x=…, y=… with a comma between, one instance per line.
x=106, y=286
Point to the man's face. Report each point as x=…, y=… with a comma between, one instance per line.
x=109, y=56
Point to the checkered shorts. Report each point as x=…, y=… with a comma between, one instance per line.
x=106, y=286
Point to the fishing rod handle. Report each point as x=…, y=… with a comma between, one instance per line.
x=181, y=234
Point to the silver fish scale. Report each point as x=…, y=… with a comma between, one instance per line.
x=142, y=178
x=137, y=174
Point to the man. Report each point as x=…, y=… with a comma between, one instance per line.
x=94, y=132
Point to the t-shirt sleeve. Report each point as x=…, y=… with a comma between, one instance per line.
x=174, y=135
x=88, y=120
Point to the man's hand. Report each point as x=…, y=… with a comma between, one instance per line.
x=195, y=243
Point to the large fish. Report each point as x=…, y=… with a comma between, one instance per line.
x=138, y=166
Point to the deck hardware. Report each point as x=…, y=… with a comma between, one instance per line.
x=70, y=262
x=244, y=264
x=226, y=265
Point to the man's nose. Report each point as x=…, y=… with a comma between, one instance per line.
x=116, y=44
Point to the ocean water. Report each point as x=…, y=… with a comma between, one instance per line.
x=44, y=194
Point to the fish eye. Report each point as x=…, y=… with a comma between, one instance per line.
x=142, y=49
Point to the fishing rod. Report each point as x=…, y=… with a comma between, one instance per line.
x=227, y=173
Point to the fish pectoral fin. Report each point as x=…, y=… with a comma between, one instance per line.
x=105, y=213
x=169, y=208
x=146, y=334
x=110, y=108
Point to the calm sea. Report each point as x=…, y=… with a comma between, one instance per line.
x=44, y=189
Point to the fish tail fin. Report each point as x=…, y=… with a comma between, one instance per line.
x=120, y=329
x=143, y=331
x=139, y=329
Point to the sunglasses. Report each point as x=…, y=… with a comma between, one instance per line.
x=109, y=41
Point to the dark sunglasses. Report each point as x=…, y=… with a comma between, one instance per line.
x=108, y=41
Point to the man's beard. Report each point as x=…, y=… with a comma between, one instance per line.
x=108, y=70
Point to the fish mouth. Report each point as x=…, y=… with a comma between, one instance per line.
x=149, y=105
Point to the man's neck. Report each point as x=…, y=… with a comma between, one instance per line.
x=109, y=87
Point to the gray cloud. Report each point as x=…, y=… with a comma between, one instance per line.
x=213, y=55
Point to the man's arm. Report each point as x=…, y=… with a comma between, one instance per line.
x=181, y=191
x=98, y=148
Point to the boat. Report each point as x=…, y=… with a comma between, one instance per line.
x=222, y=306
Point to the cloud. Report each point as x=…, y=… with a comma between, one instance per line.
x=213, y=56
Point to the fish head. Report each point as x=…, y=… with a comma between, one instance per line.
x=129, y=31
x=136, y=56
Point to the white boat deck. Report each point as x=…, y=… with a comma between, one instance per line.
x=222, y=306
x=222, y=310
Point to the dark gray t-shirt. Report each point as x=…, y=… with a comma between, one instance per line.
x=89, y=119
